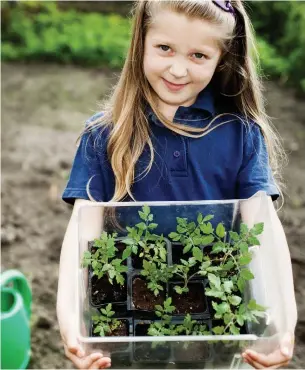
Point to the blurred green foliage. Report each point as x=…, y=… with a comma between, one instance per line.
x=39, y=30
x=280, y=26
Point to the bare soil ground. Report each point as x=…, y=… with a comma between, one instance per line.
x=43, y=109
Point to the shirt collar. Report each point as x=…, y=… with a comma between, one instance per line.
x=204, y=106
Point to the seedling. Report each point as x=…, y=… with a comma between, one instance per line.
x=103, y=259
x=105, y=323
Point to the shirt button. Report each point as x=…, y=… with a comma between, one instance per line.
x=176, y=154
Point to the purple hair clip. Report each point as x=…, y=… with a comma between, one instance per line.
x=225, y=5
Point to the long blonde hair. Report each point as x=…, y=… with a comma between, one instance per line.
x=236, y=78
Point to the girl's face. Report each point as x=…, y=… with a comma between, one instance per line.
x=180, y=58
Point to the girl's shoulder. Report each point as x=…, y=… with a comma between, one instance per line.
x=96, y=127
x=93, y=118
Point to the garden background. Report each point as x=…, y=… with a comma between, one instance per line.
x=59, y=59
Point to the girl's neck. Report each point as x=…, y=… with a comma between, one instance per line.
x=168, y=111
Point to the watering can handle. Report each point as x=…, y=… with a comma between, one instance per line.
x=21, y=284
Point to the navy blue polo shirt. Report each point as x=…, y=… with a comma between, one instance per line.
x=230, y=162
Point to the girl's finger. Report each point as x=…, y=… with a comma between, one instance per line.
x=272, y=359
x=84, y=362
x=258, y=365
x=102, y=363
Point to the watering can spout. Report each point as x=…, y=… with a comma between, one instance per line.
x=16, y=301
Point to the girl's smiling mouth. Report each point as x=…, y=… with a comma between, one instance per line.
x=173, y=87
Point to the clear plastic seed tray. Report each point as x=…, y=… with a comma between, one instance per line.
x=132, y=344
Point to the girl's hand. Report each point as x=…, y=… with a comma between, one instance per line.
x=82, y=361
x=274, y=360
x=75, y=352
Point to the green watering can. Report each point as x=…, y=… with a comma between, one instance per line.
x=16, y=301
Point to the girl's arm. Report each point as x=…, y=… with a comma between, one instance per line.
x=66, y=294
x=284, y=304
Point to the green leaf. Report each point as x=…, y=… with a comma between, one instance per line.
x=243, y=228
x=241, y=284
x=146, y=210
x=142, y=216
x=208, y=218
x=207, y=228
x=246, y=274
x=218, y=330
x=214, y=293
x=178, y=289
x=220, y=230
x=234, y=300
x=187, y=248
x=175, y=236
x=229, y=265
x=182, y=221
x=191, y=226
x=228, y=286
x=234, y=236
x=141, y=226
x=146, y=265
x=234, y=330
x=245, y=259
x=205, y=265
x=258, y=228
x=223, y=308
x=206, y=240
x=240, y=320
x=197, y=253
x=243, y=247
x=227, y=318
x=252, y=305
x=252, y=240
x=214, y=280
x=152, y=226
x=126, y=253
x=199, y=218
x=218, y=247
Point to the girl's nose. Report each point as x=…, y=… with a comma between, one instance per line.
x=178, y=70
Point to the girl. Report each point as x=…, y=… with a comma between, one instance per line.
x=186, y=121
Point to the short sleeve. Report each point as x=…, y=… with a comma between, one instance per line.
x=255, y=173
x=90, y=171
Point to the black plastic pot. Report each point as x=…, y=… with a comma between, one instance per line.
x=117, y=347
x=102, y=292
x=108, y=293
x=195, y=299
x=179, y=352
x=148, y=297
x=148, y=352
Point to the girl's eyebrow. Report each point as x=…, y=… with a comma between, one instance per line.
x=205, y=48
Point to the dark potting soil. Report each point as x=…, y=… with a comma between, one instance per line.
x=145, y=351
x=143, y=298
x=191, y=302
x=102, y=291
x=190, y=352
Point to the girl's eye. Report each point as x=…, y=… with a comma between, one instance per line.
x=164, y=47
x=199, y=56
